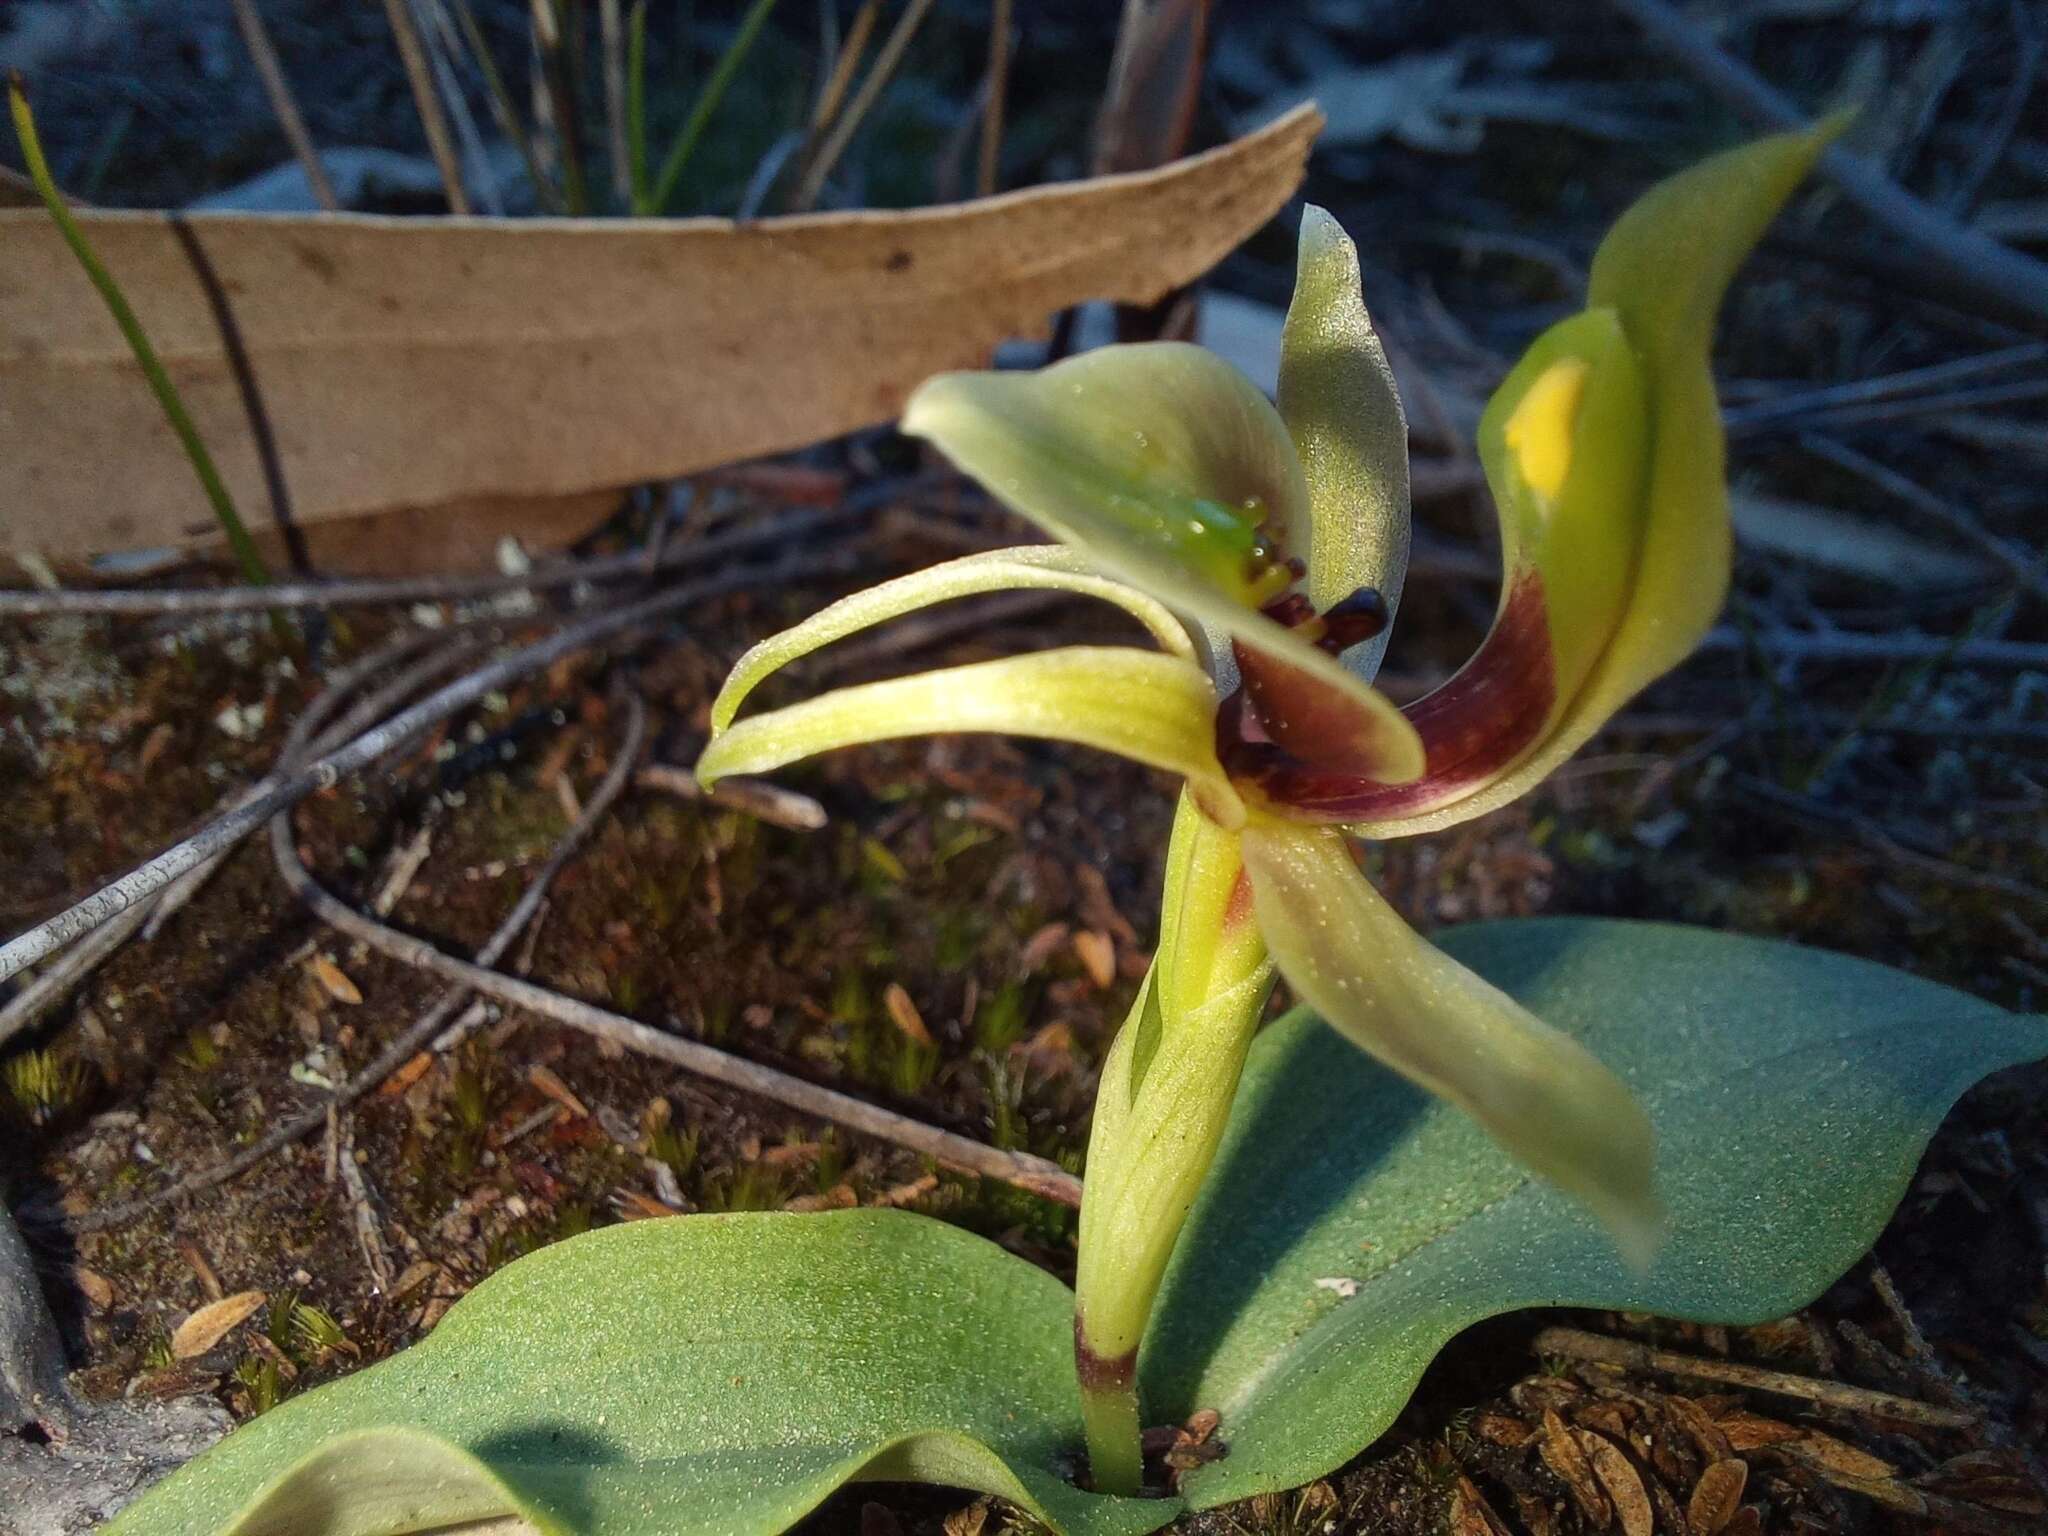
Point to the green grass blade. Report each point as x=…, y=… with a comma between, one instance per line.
x=707, y=103
x=636, y=106
x=166, y=392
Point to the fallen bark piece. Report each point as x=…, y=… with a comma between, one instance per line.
x=422, y=362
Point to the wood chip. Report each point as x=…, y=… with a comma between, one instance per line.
x=1752, y=1431
x=209, y=1282
x=1711, y=1439
x=907, y=1194
x=93, y=1286
x=1503, y=1429
x=1041, y=947
x=1717, y=1496
x=1471, y=1515
x=1098, y=956
x=1562, y=1453
x=904, y=1015
x=214, y=1322
x=1838, y=1456
x=969, y=1520
x=1624, y=1485
x=334, y=981
x=840, y=1197
x=553, y=1087
x=412, y=1071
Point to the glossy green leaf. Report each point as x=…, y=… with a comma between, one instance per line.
x=1791, y=1090
x=1143, y=705
x=1045, y=567
x=704, y=1374
x=1338, y=399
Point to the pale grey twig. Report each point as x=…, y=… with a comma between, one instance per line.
x=1757, y=415
x=282, y=103
x=279, y=791
x=444, y=588
x=418, y=1035
x=2024, y=569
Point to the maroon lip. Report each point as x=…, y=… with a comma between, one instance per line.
x=1284, y=739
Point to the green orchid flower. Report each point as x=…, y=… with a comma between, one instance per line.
x=1263, y=549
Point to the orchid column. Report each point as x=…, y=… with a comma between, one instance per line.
x=1263, y=550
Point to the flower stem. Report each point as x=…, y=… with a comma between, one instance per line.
x=1164, y=1099
x=1109, y=1414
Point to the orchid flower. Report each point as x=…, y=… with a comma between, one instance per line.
x=1263, y=550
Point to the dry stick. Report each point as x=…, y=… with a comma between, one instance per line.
x=998, y=87
x=366, y=713
x=849, y=122
x=1576, y=1344
x=1033, y=1174
x=2023, y=569
x=611, y=33
x=282, y=103
x=83, y=958
x=278, y=791
x=423, y=1030
x=768, y=534
x=1846, y=646
x=426, y=103
x=1968, y=256
x=1760, y=414
x=757, y=798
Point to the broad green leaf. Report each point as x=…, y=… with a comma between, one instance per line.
x=1170, y=470
x=1153, y=708
x=1044, y=566
x=1791, y=1090
x=704, y=1374
x=1539, y=1093
x=1338, y=399
x=1661, y=271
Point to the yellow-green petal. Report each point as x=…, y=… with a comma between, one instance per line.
x=1167, y=467
x=1143, y=705
x=1539, y=1093
x=1659, y=276
x=1338, y=399
x=1046, y=566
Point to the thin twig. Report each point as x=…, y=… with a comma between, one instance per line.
x=767, y=534
x=1036, y=1175
x=1969, y=257
x=278, y=792
x=611, y=36
x=1758, y=415
x=282, y=103
x=413, y=56
x=1575, y=1344
x=503, y=107
x=1848, y=646
x=998, y=89
x=423, y=1031
x=849, y=121
x=757, y=798
x=2024, y=568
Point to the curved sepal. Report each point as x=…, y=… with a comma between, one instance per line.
x=1044, y=566
x=1338, y=399
x=1560, y=420
x=1170, y=470
x=1538, y=1092
x=1154, y=708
